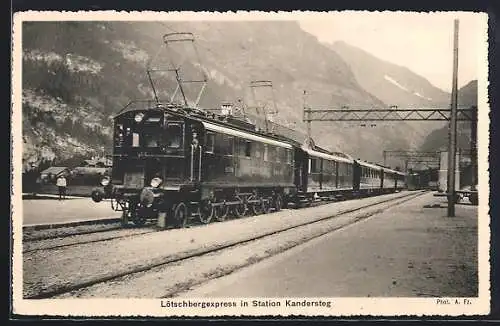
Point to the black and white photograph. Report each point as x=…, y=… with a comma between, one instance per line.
x=250, y=163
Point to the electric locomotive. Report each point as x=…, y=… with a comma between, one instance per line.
x=172, y=164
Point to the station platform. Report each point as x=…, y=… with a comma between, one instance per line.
x=57, y=212
x=411, y=250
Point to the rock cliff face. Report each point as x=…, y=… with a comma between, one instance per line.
x=76, y=75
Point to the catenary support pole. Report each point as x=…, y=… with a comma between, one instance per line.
x=453, y=127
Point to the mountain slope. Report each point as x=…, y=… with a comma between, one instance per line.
x=438, y=139
x=393, y=84
x=76, y=75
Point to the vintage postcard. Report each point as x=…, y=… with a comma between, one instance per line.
x=250, y=164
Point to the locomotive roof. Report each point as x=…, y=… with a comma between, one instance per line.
x=389, y=170
x=244, y=134
x=230, y=126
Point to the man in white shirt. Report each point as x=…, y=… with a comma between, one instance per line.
x=61, y=185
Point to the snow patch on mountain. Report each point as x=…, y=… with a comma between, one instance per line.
x=420, y=95
x=393, y=81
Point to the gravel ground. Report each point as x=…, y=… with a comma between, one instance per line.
x=409, y=251
x=52, y=269
x=169, y=279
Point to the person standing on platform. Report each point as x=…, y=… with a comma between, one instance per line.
x=61, y=186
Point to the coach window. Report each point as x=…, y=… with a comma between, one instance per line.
x=210, y=142
x=248, y=148
x=278, y=154
x=266, y=152
x=314, y=165
x=241, y=146
x=288, y=156
x=227, y=145
x=272, y=154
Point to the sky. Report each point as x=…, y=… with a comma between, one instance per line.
x=422, y=42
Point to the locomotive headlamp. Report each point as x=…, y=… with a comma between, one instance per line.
x=138, y=117
x=156, y=182
x=105, y=181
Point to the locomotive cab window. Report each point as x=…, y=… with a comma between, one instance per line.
x=151, y=139
x=173, y=135
x=119, y=135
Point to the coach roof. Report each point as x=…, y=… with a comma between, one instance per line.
x=326, y=156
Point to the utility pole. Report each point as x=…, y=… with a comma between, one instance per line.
x=473, y=148
x=452, y=146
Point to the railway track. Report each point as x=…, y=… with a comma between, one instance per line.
x=107, y=231
x=66, y=241
x=68, y=231
x=220, y=249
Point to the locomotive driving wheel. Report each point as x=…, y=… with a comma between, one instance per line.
x=124, y=219
x=206, y=212
x=266, y=205
x=221, y=212
x=256, y=208
x=240, y=209
x=136, y=219
x=181, y=215
x=278, y=203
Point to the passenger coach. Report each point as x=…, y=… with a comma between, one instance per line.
x=321, y=175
